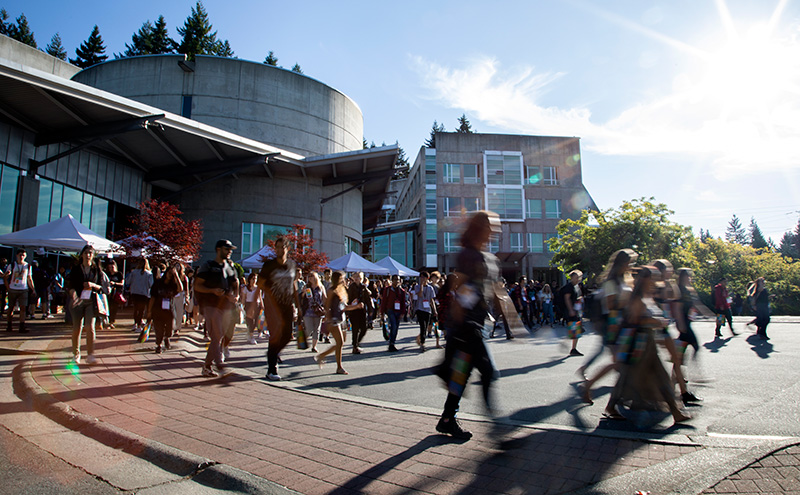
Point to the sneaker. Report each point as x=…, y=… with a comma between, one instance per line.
x=226, y=354
x=392, y=348
x=90, y=359
x=575, y=352
x=252, y=341
x=273, y=377
x=452, y=428
x=208, y=372
x=76, y=359
x=690, y=397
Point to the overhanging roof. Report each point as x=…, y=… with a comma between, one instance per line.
x=173, y=152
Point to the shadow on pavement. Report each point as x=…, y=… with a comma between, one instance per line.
x=761, y=347
x=717, y=344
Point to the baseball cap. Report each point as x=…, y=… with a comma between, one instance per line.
x=224, y=243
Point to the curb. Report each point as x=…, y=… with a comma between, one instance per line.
x=190, y=466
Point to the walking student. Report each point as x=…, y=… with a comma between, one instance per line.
x=19, y=280
x=141, y=280
x=162, y=302
x=335, y=306
x=217, y=288
x=422, y=297
x=571, y=299
x=359, y=293
x=393, y=305
x=277, y=281
x=312, y=304
x=722, y=306
x=85, y=281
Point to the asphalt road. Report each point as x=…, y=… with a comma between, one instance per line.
x=749, y=386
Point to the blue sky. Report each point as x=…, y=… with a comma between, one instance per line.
x=694, y=102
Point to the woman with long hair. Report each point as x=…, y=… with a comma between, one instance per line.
x=162, y=305
x=85, y=281
x=312, y=302
x=251, y=295
x=643, y=381
x=546, y=300
x=335, y=306
x=117, y=285
x=761, y=299
x=478, y=272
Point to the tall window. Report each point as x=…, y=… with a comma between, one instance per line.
x=533, y=175
x=353, y=246
x=452, y=173
x=472, y=204
x=451, y=242
x=494, y=245
x=549, y=176
x=8, y=198
x=507, y=203
x=533, y=208
x=552, y=208
x=452, y=207
x=516, y=241
x=57, y=200
x=430, y=238
x=256, y=235
x=380, y=247
x=430, y=203
x=504, y=169
x=535, y=243
x=470, y=172
x=430, y=166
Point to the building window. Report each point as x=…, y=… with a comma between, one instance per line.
x=256, y=235
x=57, y=200
x=494, y=245
x=451, y=242
x=452, y=207
x=516, y=241
x=470, y=172
x=533, y=175
x=505, y=202
x=549, y=176
x=547, y=243
x=452, y=173
x=533, y=208
x=380, y=247
x=535, y=243
x=430, y=203
x=552, y=208
x=398, y=248
x=430, y=167
x=472, y=204
x=186, y=106
x=8, y=198
x=504, y=169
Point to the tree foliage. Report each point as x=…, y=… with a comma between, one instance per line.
x=297, y=68
x=271, y=59
x=162, y=220
x=464, y=126
x=302, y=250
x=757, y=239
x=55, y=48
x=150, y=39
x=640, y=224
x=91, y=52
x=197, y=37
x=5, y=27
x=431, y=141
x=736, y=233
x=22, y=31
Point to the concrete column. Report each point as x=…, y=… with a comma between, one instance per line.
x=27, y=202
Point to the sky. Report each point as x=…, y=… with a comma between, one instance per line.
x=693, y=102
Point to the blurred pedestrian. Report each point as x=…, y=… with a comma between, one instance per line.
x=571, y=299
x=312, y=307
x=359, y=292
x=761, y=300
x=277, y=281
x=253, y=306
x=116, y=297
x=140, y=280
x=162, y=302
x=19, y=280
x=393, y=305
x=722, y=307
x=336, y=304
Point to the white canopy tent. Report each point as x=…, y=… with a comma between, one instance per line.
x=352, y=262
x=256, y=260
x=64, y=234
x=396, y=268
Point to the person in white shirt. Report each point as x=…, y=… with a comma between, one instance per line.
x=19, y=280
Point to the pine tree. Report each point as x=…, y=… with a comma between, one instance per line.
x=150, y=40
x=757, y=239
x=431, y=141
x=705, y=235
x=364, y=144
x=91, y=52
x=55, y=48
x=22, y=32
x=271, y=59
x=464, y=127
x=297, y=68
x=197, y=38
x=736, y=233
x=5, y=27
x=788, y=245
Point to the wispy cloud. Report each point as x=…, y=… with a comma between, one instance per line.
x=702, y=114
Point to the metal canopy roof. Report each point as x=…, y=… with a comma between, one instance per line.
x=174, y=152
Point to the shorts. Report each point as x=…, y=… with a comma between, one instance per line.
x=15, y=296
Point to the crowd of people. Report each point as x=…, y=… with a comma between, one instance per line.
x=632, y=306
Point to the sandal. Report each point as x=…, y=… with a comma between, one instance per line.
x=615, y=416
x=342, y=371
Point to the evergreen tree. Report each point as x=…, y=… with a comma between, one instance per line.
x=197, y=37
x=271, y=59
x=705, y=235
x=150, y=39
x=736, y=233
x=91, y=52
x=297, y=68
x=431, y=141
x=22, y=32
x=5, y=27
x=464, y=127
x=757, y=239
x=788, y=245
x=364, y=144
x=55, y=48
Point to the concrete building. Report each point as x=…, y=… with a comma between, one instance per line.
x=248, y=148
x=532, y=182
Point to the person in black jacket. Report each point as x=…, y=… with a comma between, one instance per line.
x=85, y=282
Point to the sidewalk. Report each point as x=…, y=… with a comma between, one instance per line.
x=316, y=442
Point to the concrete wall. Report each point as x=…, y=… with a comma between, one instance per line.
x=258, y=101
x=225, y=204
x=31, y=57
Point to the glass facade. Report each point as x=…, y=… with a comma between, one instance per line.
x=398, y=245
x=430, y=166
x=533, y=176
x=505, y=202
x=380, y=247
x=552, y=208
x=57, y=200
x=470, y=173
x=430, y=238
x=472, y=204
x=451, y=207
x=451, y=242
x=452, y=173
x=535, y=243
x=516, y=241
x=430, y=203
x=256, y=235
x=549, y=176
x=533, y=208
x=9, y=180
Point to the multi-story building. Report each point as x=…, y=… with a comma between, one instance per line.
x=532, y=182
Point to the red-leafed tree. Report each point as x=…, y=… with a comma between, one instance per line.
x=160, y=232
x=302, y=250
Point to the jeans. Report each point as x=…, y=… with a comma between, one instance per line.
x=140, y=303
x=83, y=319
x=547, y=309
x=313, y=324
x=423, y=318
x=394, y=325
